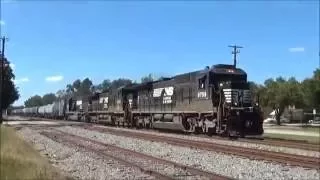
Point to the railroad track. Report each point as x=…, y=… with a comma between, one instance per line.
x=284, y=158
x=264, y=141
x=298, y=144
x=147, y=164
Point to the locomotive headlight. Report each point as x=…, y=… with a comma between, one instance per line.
x=221, y=84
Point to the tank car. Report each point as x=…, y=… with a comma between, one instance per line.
x=58, y=109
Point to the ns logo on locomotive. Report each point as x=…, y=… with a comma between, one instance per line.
x=216, y=100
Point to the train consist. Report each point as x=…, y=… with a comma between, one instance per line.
x=215, y=100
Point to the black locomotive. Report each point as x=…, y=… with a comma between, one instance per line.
x=215, y=100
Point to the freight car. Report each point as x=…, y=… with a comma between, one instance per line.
x=55, y=110
x=215, y=100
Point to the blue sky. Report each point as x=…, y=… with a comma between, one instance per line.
x=53, y=43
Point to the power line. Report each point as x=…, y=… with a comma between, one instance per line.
x=235, y=52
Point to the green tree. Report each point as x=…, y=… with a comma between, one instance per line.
x=85, y=87
x=294, y=93
x=80, y=88
x=147, y=78
x=274, y=96
x=69, y=89
x=10, y=92
x=311, y=90
x=77, y=84
x=61, y=93
x=104, y=86
x=256, y=90
x=316, y=74
x=48, y=98
x=33, y=101
x=280, y=93
x=120, y=82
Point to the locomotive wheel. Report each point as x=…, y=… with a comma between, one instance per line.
x=185, y=123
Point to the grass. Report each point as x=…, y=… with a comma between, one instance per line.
x=20, y=161
x=311, y=129
x=310, y=139
x=303, y=128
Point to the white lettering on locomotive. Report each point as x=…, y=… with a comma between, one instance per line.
x=167, y=100
x=103, y=100
x=157, y=92
x=79, y=102
x=202, y=94
x=168, y=91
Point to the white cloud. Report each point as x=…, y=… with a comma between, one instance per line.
x=21, y=80
x=54, y=78
x=2, y=23
x=296, y=49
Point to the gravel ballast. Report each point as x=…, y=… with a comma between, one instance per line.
x=78, y=163
x=230, y=143
x=227, y=165
x=141, y=160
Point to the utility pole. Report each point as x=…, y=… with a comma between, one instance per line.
x=235, y=52
x=3, y=40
